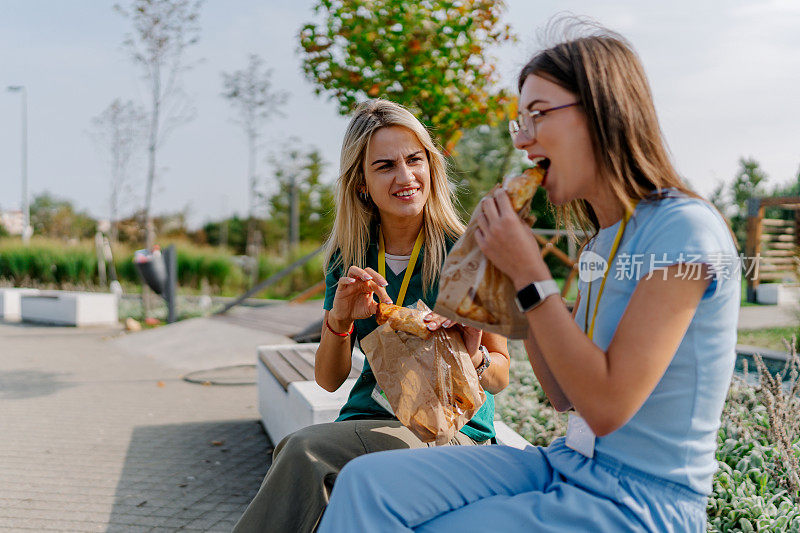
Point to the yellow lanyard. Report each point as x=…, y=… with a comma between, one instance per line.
x=617, y=240
x=409, y=269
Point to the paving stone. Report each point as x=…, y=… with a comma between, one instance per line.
x=224, y=525
x=97, y=439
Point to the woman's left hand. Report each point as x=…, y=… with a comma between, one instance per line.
x=508, y=242
x=471, y=336
x=472, y=341
x=434, y=321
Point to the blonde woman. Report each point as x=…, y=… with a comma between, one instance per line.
x=394, y=207
x=646, y=358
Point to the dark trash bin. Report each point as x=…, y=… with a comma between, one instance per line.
x=152, y=269
x=160, y=272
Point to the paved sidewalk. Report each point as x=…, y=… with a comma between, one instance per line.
x=768, y=316
x=95, y=439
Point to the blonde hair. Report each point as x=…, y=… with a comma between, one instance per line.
x=605, y=74
x=355, y=218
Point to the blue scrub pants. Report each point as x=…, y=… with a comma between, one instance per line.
x=499, y=488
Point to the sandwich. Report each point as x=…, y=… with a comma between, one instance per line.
x=521, y=188
x=402, y=319
x=520, y=191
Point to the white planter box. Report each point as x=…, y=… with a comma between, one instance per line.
x=10, y=302
x=777, y=294
x=64, y=308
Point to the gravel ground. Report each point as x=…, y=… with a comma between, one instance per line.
x=523, y=405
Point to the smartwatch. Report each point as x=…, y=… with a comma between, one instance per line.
x=532, y=295
x=487, y=360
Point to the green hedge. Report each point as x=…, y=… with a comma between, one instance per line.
x=194, y=265
x=55, y=264
x=43, y=263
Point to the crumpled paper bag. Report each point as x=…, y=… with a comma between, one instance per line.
x=467, y=277
x=431, y=385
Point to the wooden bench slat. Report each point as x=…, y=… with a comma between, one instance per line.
x=310, y=356
x=771, y=237
x=294, y=363
x=766, y=267
x=777, y=253
x=772, y=276
x=281, y=369
x=777, y=222
x=296, y=360
x=774, y=260
x=782, y=246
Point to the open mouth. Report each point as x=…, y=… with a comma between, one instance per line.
x=406, y=194
x=542, y=162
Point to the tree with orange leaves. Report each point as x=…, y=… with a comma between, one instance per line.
x=429, y=56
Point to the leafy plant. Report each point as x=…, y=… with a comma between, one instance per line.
x=428, y=56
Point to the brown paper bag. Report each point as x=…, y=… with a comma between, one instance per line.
x=431, y=385
x=467, y=276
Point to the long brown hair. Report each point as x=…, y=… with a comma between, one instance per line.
x=606, y=75
x=355, y=218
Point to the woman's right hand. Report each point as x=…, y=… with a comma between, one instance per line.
x=507, y=241
x=354, y=297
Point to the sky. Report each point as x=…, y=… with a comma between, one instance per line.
x=724, y=73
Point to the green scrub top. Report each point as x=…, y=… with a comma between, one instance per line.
x=360, y=403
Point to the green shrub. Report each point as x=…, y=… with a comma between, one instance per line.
x=47, y=262
x=14, y=264
x=52, y=263
x=302, y=278
x=195, y=264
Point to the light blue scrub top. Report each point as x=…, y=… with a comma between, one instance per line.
x=674, y=434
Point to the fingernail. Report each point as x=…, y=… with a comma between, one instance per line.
x=366, y=277
x=447, y=323
x=384, y=283
x=349, y=280
x=432, y=326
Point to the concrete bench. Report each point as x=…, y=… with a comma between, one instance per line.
x=289, y=399
x=64, y=308
x=10, y=302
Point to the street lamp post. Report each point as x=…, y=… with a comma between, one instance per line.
x=26, y=212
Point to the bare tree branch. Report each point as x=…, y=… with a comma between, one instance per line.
x=254, y=100
x=162, y=32
x=119, y=131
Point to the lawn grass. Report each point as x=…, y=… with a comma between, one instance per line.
x=770, y=338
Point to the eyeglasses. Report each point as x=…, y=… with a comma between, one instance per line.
x=526, y=120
